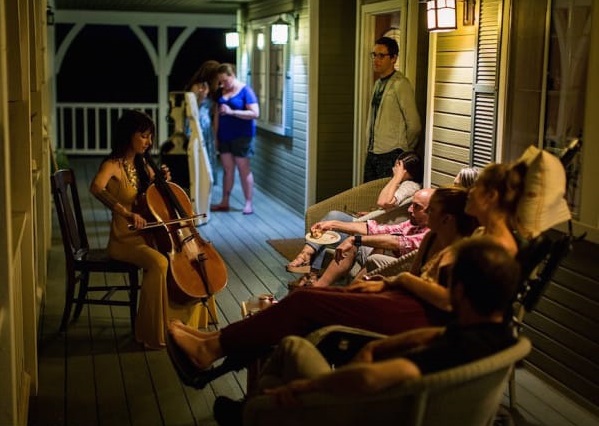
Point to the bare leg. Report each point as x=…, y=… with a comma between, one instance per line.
x=303, y=258
x=194, y=331
x=229, y=177
x=336, y=270
x=247, y=182
x=202, y=353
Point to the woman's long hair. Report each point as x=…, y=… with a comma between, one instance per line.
x=508, y=181
x=131, y=122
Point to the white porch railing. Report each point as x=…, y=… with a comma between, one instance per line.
x=86, y=128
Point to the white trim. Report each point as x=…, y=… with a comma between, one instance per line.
x=65, y=45
x=176, y=48
x=312, y=120
x=365, y=17
x=502, y=86
x=430, y=102
x=147, y=44
x=146, y=18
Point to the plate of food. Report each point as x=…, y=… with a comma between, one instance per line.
x=323, y=237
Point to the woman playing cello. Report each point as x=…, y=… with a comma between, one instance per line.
x=124, y=176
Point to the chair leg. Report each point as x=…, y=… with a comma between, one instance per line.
x=83, y=284
x=68, y=301
x=134, y=285
x=208, y=314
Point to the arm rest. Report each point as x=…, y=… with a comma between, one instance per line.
x=360, y=198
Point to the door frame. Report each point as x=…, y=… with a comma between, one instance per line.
x=365, y=37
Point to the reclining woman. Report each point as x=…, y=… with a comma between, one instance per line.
x=407, y=172
x=391, y=305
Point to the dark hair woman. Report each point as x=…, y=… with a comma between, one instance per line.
x=122, y=176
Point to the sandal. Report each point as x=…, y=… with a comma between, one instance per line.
x=306, y=280
x=301, y=263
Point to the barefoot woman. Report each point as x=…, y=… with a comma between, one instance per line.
x=122, y=176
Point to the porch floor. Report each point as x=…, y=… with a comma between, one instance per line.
x=95, y=374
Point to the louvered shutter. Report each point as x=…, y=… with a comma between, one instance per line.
x=486, y=82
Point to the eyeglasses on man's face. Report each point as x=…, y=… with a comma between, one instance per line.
x=375, y=55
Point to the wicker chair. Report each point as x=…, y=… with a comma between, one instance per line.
x=464, y=395
x=358, y=199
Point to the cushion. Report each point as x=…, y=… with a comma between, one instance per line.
x=543, y=203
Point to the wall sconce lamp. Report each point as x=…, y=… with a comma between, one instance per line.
x=49, y=16
x=279, y=32
x=232, y=39
x=441, y=15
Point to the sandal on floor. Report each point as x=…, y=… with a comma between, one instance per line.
x=306, y=280
x=301, y=263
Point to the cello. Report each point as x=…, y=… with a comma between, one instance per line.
x=196, y=269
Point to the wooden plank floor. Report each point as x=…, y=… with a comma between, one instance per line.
x=95, y=374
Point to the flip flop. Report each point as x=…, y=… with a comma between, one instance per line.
x=302, y=268
x=219, y=208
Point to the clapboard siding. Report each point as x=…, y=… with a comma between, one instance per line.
x=451, y=137
x=564, y=327
x=335, y=97
x=279, y=165
x=457, y=106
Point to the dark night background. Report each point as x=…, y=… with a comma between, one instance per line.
x=109, y=64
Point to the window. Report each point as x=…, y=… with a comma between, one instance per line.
x=269, y=65
x=569, y=42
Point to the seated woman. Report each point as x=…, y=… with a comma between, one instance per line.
x=306, y=310
x=407, y=172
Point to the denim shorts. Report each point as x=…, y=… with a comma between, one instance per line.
x=240, y=147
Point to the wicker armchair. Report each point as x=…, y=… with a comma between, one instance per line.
x=464, y=395
x=360, y=198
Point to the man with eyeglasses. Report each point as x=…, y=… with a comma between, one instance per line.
x=393, y=122
x=394, y=239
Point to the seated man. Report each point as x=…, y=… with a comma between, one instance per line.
x=482, y=285
x=397, y=239
x=407, y=172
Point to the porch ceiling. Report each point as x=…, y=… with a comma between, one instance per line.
x=161, y=6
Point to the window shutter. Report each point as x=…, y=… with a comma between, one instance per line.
x=486, y=82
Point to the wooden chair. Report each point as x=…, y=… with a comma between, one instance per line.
x=81, y=260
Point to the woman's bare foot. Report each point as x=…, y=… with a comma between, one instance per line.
x=199, y=351
x=194, y=331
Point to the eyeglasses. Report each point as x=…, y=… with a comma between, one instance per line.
x=375, y=55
